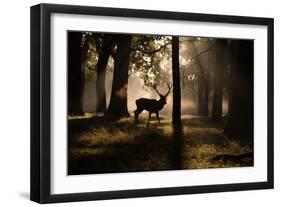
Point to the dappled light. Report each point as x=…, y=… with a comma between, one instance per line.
x=153, y=102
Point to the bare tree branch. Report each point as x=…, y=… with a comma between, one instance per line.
x=202, y=52
x=152, y=51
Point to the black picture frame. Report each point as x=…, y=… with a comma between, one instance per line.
x=41, y=95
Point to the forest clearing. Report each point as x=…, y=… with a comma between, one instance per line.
x=98, y=145
x=153, y=102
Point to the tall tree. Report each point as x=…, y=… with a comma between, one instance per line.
x=203, y=74
x=201, y=81
x=218, y=79
x=118, y=102
x=75, y=75
x=104, y=54
x=205, y=107
x=86, y=41
x=240, y=122
x=176, y=82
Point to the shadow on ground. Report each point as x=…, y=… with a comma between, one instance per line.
x=99, y=145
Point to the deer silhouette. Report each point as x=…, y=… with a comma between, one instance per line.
x=151, y=105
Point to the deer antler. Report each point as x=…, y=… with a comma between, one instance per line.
x=154, y=86
x=169, y=89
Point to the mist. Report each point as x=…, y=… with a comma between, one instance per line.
x=136, y=90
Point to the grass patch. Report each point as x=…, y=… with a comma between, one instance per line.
x=99, y=145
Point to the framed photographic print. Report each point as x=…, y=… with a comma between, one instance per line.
x=132, y=103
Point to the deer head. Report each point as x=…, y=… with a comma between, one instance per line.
x=163, y=97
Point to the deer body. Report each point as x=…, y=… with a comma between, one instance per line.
x=151, y=105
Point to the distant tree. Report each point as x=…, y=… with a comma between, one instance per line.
x=75, y=75
x=189, y=80
x=118, y=101
x=240, y=120
x=219, y=70
x=203, y=74
x=86, y=45
x=201, y=80
x=205, y=107
x=176, y=82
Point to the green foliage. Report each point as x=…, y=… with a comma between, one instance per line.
x=148, y=52
x=150, y=59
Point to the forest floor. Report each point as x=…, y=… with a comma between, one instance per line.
x=98, y=145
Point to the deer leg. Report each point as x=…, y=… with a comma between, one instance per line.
x=157, y=115
x=149, y=116
x=136, y=116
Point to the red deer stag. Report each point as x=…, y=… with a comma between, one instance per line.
x=151, y=105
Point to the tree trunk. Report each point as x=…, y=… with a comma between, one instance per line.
x=101, y=71
x=240, y=122
x=232, y=58
x=205, y=111
x=200, y=104
x=201, y=82
x=176, y=82
x=84, y=57
x=75, y=75
x=218, y=79
x=118, y=102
